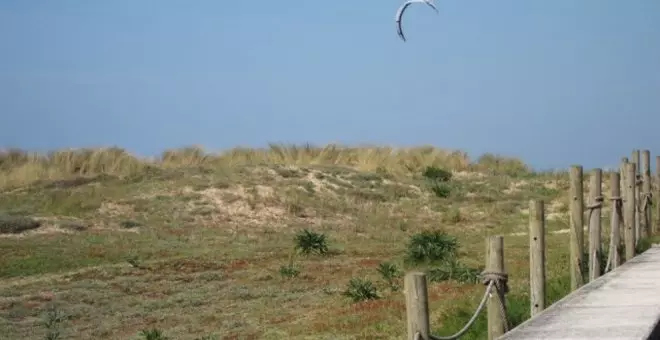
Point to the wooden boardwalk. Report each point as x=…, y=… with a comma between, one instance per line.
x=623, y=304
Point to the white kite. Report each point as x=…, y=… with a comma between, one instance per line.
x=403, y=7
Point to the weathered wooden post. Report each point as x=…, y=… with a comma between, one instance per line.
x=577, y=226
x=635, y=159
x=646, y=194
x=615, y=189
x=638, y=182
x=537, y=256
x=629, y=204
x=496, y=303
x=417, y=305
x=622, y=171
x=594, y=208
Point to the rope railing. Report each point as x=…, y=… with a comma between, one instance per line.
x=617, y=204
x=630, y=212
x=491, y=280
x=597, y=203
x=617, y=207
x=482, y=304
x=647, y=202
x=640, y=207
x=493, y=277
x=500, y=281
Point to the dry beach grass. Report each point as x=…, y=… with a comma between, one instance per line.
x=198, y=244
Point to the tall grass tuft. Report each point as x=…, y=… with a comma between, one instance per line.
x=19, y=167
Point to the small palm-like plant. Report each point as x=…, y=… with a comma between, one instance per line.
x=431, y=247
x=464, y=274
x=437, y=174
x=442, y=190
x=390, y=272
x=438, y=180
x=361, y=290
x=308, y=242
x=153, y=334
x=54, y=318
x=289, y=271
x=454, y=271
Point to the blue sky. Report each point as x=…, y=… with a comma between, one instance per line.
x=520, y=78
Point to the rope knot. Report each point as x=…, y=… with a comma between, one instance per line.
x=598, y=203
x=647, y=200
x=499, y=279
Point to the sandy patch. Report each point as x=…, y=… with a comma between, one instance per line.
x=237, y=203
x=467, y=175
x=515, y=187
x=113, y=209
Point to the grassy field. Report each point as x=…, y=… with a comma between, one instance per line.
x=288, y=242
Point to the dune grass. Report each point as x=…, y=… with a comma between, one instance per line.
x=20, y=168
x=287, y=242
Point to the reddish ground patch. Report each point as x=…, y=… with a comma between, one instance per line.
x=237, y=265
x=44, y=296
x=190, y=266
x=31, y=304
x=280, y=319
x=322, y=272
x=369, y=262
x=177, y=231
x=150, y=321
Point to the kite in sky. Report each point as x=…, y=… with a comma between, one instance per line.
x=403, y=7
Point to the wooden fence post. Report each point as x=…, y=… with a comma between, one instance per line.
x=495, y=264
x=638, y=212
x=417, y=305
x=594, y=208
x=622, y=172
x=646, y=211
x=537, y=256
x=615, y=189
x=656, y=225
x=635, y=159
x=629, y=205
x=577, y=227
x=624, y=182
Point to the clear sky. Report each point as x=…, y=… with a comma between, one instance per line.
x=554, y=82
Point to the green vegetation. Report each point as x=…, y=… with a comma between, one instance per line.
x=361, y=290
x=431, y=247
x=309, y=242
x=287, y=242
